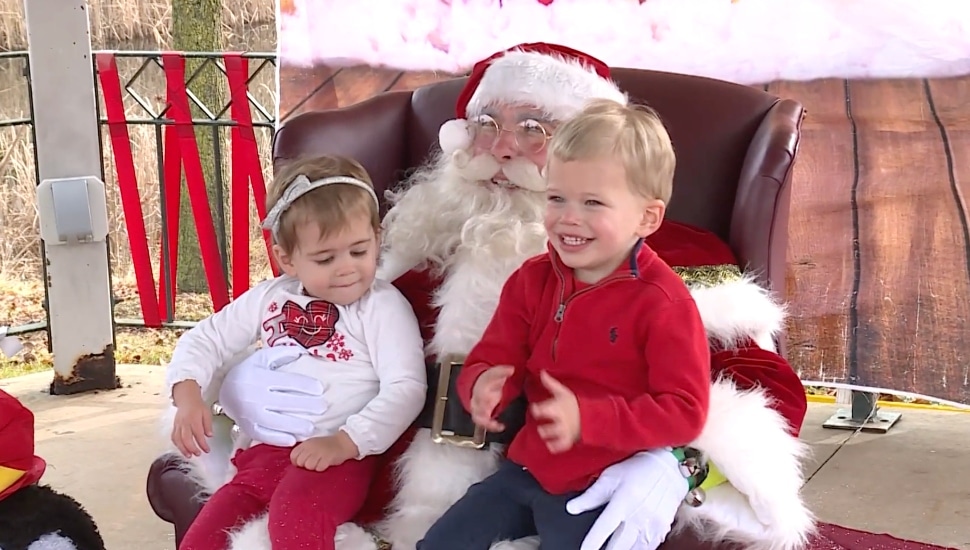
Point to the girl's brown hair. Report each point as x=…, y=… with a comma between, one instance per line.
x=330, y=207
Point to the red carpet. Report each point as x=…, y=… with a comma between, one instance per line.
x=834, y=537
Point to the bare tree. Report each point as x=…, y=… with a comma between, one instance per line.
x=197, y=27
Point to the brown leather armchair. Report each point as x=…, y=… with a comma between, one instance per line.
x=735, y=149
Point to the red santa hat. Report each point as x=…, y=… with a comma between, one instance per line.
x=557, y=79
x=19, y=466
x=682, y=245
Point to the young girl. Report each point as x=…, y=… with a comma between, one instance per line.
x=355, y=334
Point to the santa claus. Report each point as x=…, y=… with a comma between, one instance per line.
x=458, y=227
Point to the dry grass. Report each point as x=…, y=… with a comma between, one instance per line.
x=21, y=302
x=117, y=22
x=247, y=21
x=125, y=25
x=19, y=236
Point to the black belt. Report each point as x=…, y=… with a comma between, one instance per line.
x=448, y=420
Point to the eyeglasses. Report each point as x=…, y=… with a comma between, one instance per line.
x=530, y=137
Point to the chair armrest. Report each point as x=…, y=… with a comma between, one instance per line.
x=763, y=198
x=373, y=132
x=172, y=494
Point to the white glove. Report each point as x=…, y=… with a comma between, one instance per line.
x=642, y=495
x=267, y=404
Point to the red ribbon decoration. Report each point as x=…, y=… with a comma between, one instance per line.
x=246, y=171
x=128, y=187
x=182, y=150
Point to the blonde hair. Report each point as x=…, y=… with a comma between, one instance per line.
x=634, y=135
x=330, y=207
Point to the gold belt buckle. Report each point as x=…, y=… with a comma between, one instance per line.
x=438, y=434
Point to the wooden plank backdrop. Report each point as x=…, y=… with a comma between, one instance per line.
x=819, y=267
x=879, y=246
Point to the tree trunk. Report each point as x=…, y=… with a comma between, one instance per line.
x=197, y=27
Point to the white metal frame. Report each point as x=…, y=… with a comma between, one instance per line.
x=67, y=146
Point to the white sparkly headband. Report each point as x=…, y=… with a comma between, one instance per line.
x=301, y=186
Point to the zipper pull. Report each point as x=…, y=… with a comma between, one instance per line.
x=560, y=312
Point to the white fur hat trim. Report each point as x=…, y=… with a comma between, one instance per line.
x=557, y=86
x=454, y=135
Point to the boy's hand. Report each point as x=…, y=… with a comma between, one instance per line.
x=486, y=395
x=561, y=413
x=320, y=453
x=193, y=419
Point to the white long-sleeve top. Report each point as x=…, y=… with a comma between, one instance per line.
x=368, y=355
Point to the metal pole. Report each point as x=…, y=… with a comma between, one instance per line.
x=863, y=413
x=71, y=199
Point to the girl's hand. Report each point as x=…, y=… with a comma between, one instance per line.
x=320, y=453
x=193, y=421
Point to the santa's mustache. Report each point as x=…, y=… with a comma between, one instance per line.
x=519, y=171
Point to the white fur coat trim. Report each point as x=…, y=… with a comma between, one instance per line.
x=255, y=536
x=737, y=310
x=751, y=445
x=213, y=469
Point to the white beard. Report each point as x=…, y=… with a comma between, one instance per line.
x=454, y=220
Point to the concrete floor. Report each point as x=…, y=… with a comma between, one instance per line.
x=98, y=447
x=911, y=482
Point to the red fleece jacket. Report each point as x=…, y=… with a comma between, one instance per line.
x=632, y=348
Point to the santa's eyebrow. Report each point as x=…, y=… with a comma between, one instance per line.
x=537, y=116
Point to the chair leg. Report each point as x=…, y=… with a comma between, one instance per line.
x=172, y=494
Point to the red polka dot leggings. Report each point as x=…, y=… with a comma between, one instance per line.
x=305, y=507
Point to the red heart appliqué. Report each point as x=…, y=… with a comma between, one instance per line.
x=310, y=327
